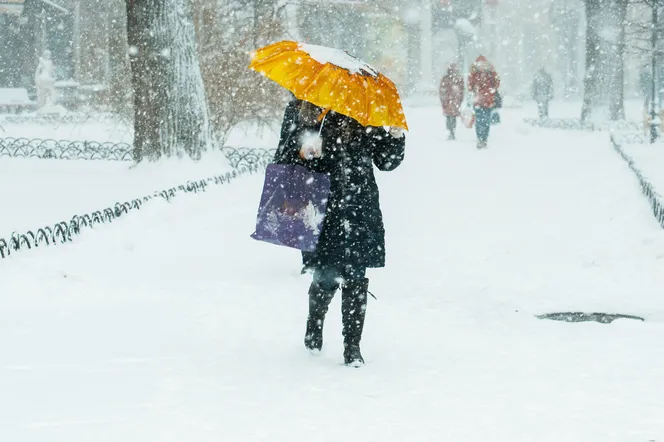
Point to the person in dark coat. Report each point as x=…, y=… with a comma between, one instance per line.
x=288, y=126
x=352, y=237
x=542, y=92
x=451, y=96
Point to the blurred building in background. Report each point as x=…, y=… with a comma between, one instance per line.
x=80, y=35
x=519, y=36
x=397, y=36
x=27, y=28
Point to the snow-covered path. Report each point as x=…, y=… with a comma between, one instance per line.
x=548, y=216
x=173, y=325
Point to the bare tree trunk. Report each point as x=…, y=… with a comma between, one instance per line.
x=617, y=104
x=119, y=87
x=591, y=77
x=170, y=109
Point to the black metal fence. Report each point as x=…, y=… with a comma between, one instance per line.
x=65, y=231
x=92, y=150
x=622, y=133
x=240, y=157
x=64, y=150
x=576, y=124
x=624, y=138
x=647, y=188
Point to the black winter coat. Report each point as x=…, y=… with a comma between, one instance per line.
x=353, y=232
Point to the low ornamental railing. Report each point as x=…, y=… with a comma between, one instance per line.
x=654, y=199
x=625, y=138
x=65, y=231
x=64, y=150
x=92, y=150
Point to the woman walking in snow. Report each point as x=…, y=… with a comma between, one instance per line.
x=483, y=82
x=451, y=97
x=352, y=237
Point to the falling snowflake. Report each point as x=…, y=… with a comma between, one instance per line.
x=272, y=223
x=311, y=217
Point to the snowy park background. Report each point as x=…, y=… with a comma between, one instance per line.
x=171, y=324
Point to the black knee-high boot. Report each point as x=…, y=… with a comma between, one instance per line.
x=353, y=312
x=319, y=302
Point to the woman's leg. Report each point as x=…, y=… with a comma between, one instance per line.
x=325, y=284
x=328, y=278
x=482, y=124
x=451, y=125
x=353, y=311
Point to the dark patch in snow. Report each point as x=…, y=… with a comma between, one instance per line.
x=602, y=318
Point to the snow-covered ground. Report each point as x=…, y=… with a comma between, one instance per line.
x=37, y=193
x=572, y=109
x=117, y=131
x=40, y=192
x=102, y=132
x=649, y=159
x=173, y=325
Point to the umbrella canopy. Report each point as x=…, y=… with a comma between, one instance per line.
x=332, y=79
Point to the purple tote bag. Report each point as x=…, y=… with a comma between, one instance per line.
x=292, y=207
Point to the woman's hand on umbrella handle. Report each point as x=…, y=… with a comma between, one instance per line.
x=313, y=148
x=396, y=132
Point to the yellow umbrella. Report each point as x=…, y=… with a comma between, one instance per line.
x=332, y=79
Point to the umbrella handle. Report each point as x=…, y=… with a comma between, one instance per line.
x=321, y=118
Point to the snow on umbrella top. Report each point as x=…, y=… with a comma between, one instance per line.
x=332, y=79
x=343, y=59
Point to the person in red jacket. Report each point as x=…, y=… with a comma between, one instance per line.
x=451, y=96
x=483, y=82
